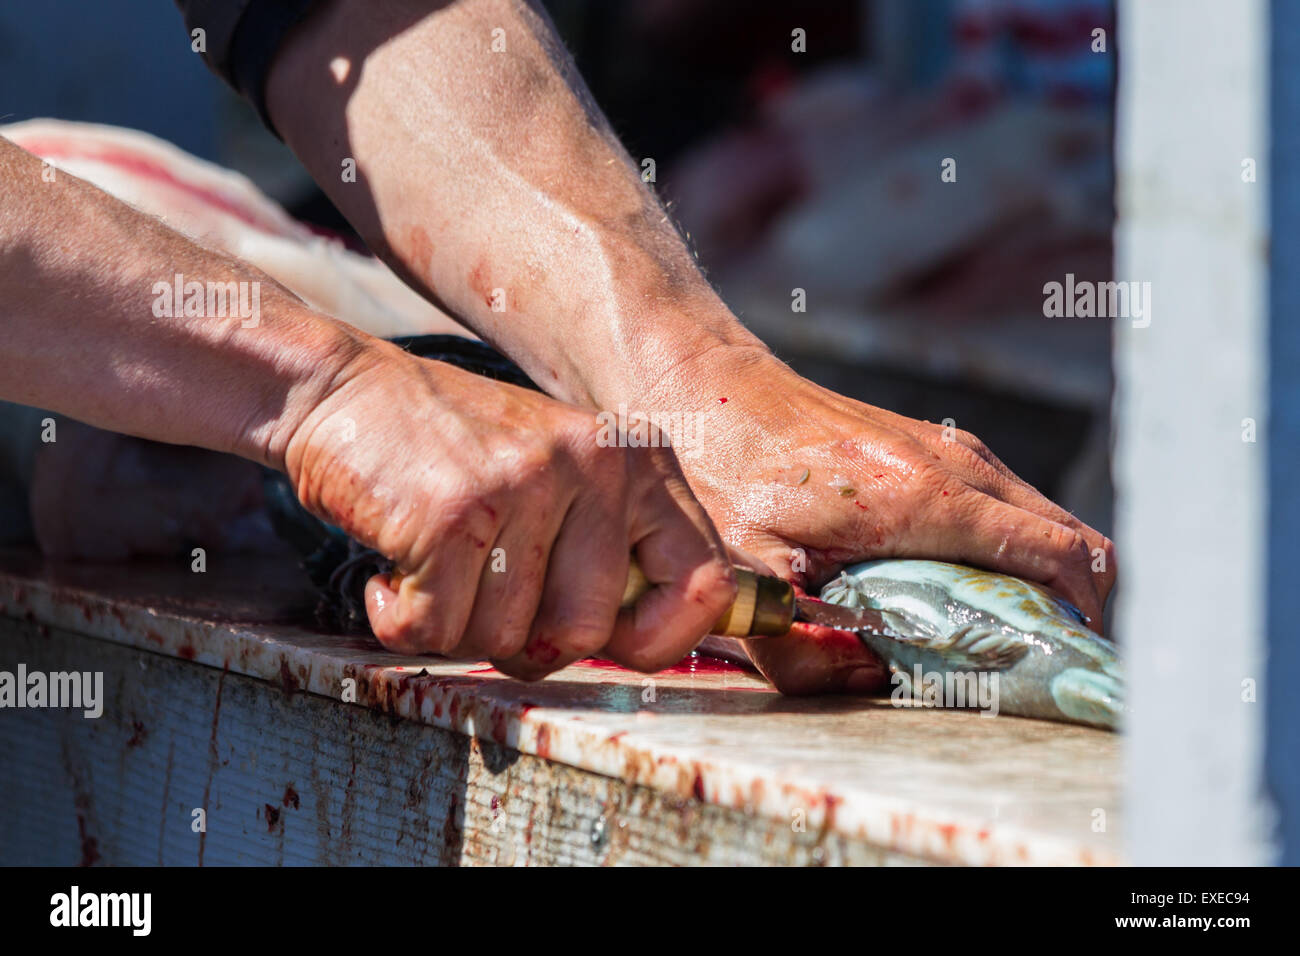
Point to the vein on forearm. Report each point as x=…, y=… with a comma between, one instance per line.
x=488, y=176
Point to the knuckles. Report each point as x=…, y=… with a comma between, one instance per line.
x=933, y=483
x=504, y=641
x=471, y=521
x=973, y=455
x=604, y=465
x=975, y=444
x=715, y=586
x=1072, y=544
x=434, y=637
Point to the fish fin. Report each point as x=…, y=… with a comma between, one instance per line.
x=1089, y=697
x=975, y=647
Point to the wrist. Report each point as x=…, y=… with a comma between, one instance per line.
x=718, y=394
x=697, y=373
x=672, y=353
x=320, y=361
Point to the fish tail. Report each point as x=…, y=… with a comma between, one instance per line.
x=1089, y=697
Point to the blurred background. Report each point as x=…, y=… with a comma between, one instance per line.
x=817, y=172
x=790, y=169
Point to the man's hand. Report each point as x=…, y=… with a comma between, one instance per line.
x=511, y=524
x=434, y=467
x=490, y=181
x=807, y=481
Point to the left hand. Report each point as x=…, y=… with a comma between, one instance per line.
x=808, y=481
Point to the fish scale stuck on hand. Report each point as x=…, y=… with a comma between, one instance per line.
x=953, y=621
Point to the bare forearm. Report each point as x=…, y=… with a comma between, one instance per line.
x=488, y=178
x=81, y=277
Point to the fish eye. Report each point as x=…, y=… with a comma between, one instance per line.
x=1083, y=618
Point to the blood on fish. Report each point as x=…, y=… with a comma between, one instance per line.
x=828, y=637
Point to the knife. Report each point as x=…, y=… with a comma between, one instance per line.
x=766, y=606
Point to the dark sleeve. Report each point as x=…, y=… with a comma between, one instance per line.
x=241, y=38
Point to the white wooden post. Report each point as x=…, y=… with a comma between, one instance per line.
x=1192, y=501
x=1282, y=745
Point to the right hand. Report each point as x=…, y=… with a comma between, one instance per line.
x=510, y=524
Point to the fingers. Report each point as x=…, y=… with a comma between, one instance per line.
x=584, y=582
x=985, y=532
x=476, y=599
x=547, y=591
x=1101, y=551
x=428, y=611
x=681, y=555
x=397, y=619
x=985, y=471
x=510, y=588
x=743, y=559
x=808, y=660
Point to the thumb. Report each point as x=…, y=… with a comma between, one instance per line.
x=743, y=559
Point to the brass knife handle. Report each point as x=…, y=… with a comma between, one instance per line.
x=764, y=605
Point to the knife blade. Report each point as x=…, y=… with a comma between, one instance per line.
x=857, y=619
x=766, y=606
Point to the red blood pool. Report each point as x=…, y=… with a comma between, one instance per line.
x=690, y=664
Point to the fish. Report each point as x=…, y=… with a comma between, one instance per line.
x=955, y=632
